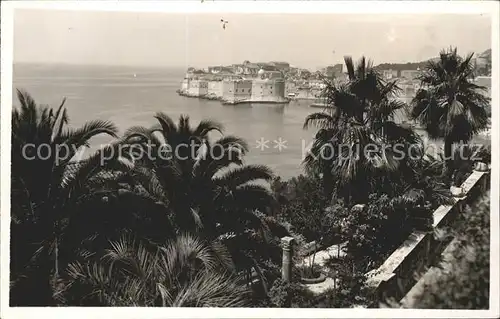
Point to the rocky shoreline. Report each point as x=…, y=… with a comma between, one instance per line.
x=231, y=102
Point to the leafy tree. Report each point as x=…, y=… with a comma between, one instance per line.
x=376, y=229
x=449, y=104
x=303, y=205
x=44, y=190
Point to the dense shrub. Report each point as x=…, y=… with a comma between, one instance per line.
x=302, y=204
x=383, y=224
x=284, y=294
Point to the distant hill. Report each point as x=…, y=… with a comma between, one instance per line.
x=486, y=54
x=401, y=66
x=414, y=65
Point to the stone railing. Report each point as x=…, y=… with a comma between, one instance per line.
x=396, y=276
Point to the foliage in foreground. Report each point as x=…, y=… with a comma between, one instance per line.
x=64, y=215
x=303, y=204
x=44, y=190
x=463, y=279
x=183, y=273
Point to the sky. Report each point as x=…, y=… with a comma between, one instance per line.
x=182, y=40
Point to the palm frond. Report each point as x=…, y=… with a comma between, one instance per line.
x=245, y=174
x=207, y=126
x=320, y=120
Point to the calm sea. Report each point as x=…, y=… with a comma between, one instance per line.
x=115, y=94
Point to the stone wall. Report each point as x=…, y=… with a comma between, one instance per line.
x=198, y=87
x=239, y=90
x=215, y=88
x=268, y=90
x=185, y=85
x=396, y=276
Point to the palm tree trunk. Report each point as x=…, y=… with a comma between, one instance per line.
x=327, y=183
x=347, y=195
x=56, y=266
x=448, y=160
x=361, y=113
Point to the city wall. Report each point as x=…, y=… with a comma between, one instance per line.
x=235, y=91
x=215, y=88
x=268, y=90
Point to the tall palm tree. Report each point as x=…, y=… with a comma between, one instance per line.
x=183, y=273
x=449, y=104
x=44, y=187
x=205, y=188
x=349, y=148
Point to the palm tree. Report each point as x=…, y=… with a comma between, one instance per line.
x=449, y=104
x=43, y=188
x=183, y=273
x=362, y=116
x=205, y=186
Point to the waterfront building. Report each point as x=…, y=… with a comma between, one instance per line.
x=250, y=68
x=304, y=73
x=215, y=88
x=316, y=84
x=332, y=70
x=272, y=90
x=219, y=69
x=192, y=72
x=293, y=70
x=236, y=90
x=482, y=63
x=198, y=87
x=409, y=88
x=263, y=74
x=267, y=66
x=410, y=74
x=185, y=84
x=238, y=68
x=341, y=78
x=290, y=87
x=227, y=76
x=390, y=74
x=236, y=87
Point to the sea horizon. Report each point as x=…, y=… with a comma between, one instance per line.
x=113, y=93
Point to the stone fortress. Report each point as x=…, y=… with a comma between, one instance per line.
x=279, y=82
x=239, y=83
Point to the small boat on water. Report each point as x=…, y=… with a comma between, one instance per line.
x=320, y=105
